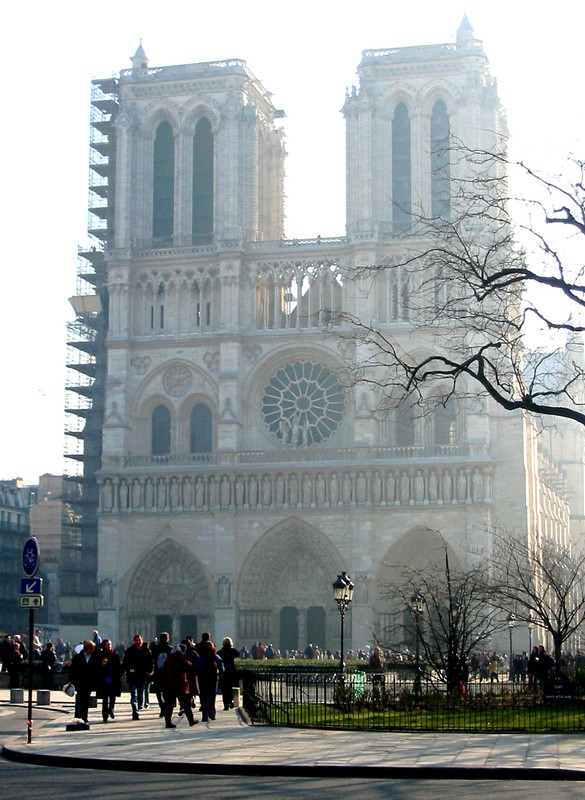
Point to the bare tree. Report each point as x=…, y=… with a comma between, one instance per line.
x=479, y=284
x=450, y=610
x=541, y=581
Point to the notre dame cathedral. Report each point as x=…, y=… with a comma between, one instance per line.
x=236, y=474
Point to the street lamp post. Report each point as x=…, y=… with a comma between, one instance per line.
x=343, y=593
x=530, y=626
x=417, y=603
x=511, y=622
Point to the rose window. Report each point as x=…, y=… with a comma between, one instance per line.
x=303, y=404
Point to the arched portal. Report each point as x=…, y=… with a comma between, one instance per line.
x=168, y=587
x=421, y=550
x=285, y=579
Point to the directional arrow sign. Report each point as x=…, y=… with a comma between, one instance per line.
x=31, y=585
x=30, y=601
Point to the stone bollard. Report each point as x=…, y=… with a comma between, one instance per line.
x=17, y=695
x=43, y=697
x=236, y=697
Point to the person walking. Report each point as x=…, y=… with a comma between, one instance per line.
x=14, y=662
x=175, y=682
x=228, y=681
x=138, y=668
x=160, y=653
x=48, y=661
x=108, y=680
x=82, y=676
x=208, y=669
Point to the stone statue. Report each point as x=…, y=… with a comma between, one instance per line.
x=447, y=486
x=433, y=487
x=477, y=485
x=307, y=490
x=333, y=490
x=361, y=488
x=419, y=487
x=148, y=493
x=320, y=490
x=136, y=494
x=461, y=486
x=107, y=496
x=175, y=493
x=253, y=492
x=266, y=491
x=123, y=495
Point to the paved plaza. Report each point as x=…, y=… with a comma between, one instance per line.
x=228, y=745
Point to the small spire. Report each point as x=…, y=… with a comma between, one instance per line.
x=465, y=32
x=139, y=59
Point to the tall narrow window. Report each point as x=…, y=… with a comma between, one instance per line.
x=202, y=223
x=440, y=165
x=163, y=199
x=161, y=431
x=201, y=429
x=401, y=170
x=405, y=422
x=445, y=421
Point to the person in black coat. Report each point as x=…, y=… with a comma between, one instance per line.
x=108, y=677
x=48, y=661
x=208, y=669
x=160, y=652
x=138, y=667
x=228, y=655
x=14, y=660
x=82, y=676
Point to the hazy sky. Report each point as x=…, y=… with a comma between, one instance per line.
x=306, y=55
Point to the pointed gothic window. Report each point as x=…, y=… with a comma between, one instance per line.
x=161, y=431
x=201, y=429
x=202, y=222
x=440, y=166
x=405, y=423
x=445, y=423
x=163, y=199
x=401, y=170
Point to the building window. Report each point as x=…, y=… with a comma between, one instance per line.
x=202, y=222
x=405, y=423
x=401, y=170
x=201, y=429
x=303, y=404
x=163, y=200
x=440, y=164
x=161, y=431
x=445, y=423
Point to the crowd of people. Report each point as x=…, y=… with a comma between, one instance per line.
x=176, y=674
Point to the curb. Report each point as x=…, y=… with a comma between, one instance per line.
x=296, y=771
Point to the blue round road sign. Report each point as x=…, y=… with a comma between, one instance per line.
x=30, y=556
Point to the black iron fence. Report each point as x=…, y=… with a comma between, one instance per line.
x=359, y=699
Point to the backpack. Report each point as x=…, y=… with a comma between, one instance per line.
x=161, y=660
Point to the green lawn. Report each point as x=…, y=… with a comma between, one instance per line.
x=528, y=719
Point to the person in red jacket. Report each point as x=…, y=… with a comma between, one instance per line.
x=175, y=684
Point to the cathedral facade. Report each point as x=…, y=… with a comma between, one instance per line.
x=240, y=472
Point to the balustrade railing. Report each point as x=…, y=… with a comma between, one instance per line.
x=395, y=700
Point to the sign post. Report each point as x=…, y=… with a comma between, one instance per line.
x=30, y=598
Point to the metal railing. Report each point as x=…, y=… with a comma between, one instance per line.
x=360, y=700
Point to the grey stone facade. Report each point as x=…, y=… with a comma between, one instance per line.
x=304, y=476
